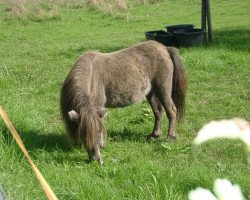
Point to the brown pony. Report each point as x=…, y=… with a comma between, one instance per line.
x=118, y=79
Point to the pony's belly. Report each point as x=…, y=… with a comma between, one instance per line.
x=126, y=96
x=119, y=102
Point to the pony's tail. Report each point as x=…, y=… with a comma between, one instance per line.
x=179, y=87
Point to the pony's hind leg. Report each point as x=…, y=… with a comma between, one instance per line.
x=158, y=112
x=172, y=119
x=170, y=110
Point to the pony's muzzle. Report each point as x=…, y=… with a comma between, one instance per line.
x=101, y=145
x=95, y=155
x=100, y=160
x=91, y=154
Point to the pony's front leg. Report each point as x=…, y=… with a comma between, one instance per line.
x=98, y=155
x=158, y=112
x=95, y=154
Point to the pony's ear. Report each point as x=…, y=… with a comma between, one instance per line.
x=101, y=113
x=73, y=116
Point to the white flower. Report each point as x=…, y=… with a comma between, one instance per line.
x=201, y=194
x=223, y=189
x=235, y=129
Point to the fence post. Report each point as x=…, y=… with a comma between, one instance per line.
x=203, y=14
x=209, y=22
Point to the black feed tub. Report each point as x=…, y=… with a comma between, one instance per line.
x=173, y=28
x=161, y=37
x=189, y=37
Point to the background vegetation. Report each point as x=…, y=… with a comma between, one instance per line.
x=39, y=42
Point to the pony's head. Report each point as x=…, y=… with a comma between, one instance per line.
x=90, y=130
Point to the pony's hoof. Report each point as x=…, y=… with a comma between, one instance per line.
x=171, y=137
x=153, y=136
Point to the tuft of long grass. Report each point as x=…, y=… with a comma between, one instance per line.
x=43, y=9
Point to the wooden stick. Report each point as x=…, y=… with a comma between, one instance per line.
x=45, y=186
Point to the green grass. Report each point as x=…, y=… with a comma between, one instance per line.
x=35, y=57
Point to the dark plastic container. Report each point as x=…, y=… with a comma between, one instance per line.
x=189, y=37
x=173, y=28
x=160, y=36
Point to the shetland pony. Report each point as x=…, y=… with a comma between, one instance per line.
x=103, y=80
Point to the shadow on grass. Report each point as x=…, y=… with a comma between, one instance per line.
x=232, y=39
x=127, y=134
x=34, y=140
x=54, y=144
x=47, y=141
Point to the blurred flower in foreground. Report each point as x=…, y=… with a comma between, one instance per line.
x=2, y=194
x=223, y=190
x=235, y=129
x=201, y=193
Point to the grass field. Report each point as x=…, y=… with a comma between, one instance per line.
x=36, y=54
